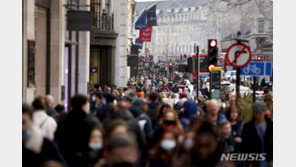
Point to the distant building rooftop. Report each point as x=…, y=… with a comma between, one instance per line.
x=166, y=6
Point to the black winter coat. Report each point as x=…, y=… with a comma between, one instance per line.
x=49, y=152
x=251, y=142
x=72, y=136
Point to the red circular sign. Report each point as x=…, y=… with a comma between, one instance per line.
x=234, y=47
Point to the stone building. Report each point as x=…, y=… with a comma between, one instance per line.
x=184, y=24
x=110, y=40
x=55, y=61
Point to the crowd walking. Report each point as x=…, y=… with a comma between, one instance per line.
x=147, y=123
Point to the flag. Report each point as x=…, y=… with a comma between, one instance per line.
x=141, y=22
x=139, y=43
x=151, y=16
x=145, y=35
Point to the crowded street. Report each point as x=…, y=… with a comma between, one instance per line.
x=124, y=83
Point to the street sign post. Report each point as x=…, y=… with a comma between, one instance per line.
x=257, y=69
x=238, y=55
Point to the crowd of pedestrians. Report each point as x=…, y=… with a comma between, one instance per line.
x=148, y=123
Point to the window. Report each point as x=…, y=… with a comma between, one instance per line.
x=108, y=6
x=261, y=25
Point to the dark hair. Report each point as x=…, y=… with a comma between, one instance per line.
x=157, y=152
x=26, y=109
x=121, y=141
x=96, y=86
x=109, y=97
x=153, y=96
x=229, y=110
x=78, y=101
x=39, y=103
x=115, y=123
x=59, y=108
x=161, y=108
x=125, y=89
x=98, y=94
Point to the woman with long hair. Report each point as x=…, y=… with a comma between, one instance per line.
x=161, y=154
x=168, y=121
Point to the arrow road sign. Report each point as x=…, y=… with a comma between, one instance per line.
x=238, y=55
x=257, y=69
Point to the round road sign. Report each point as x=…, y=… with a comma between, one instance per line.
x=238, y=55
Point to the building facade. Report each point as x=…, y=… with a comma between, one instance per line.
x=110, y=40
x=184, y=24
x=55, y=61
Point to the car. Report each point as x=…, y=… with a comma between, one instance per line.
x=226, y=76
x=243, y=90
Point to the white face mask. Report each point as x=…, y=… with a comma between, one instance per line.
x=114, y=103
x=93, y=98
x=168, y=144
x=95, y=146
x=104, y=101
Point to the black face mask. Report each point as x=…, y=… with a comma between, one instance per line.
x=169, y=122
x=124, y=164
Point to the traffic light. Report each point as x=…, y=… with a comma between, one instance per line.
x=171, y=67
x=259, y=58
x=212, y=52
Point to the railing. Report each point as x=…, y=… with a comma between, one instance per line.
x=102, y=21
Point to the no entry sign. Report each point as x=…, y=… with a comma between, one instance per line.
x=238, y=55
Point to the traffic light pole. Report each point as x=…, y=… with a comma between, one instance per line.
x=237, y=94
x=254, y=88
x=197, y=72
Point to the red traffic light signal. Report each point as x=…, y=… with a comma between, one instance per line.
x=259, y=58
x=170, y=64
x=213, y=43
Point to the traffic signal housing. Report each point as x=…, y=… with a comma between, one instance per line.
x=212, y=53
x=171, y=67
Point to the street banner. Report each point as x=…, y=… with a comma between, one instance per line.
x=145, y=35
x=141, y=22
x=151, y=16
x=139, y=43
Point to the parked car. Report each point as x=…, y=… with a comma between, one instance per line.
x=227, y=75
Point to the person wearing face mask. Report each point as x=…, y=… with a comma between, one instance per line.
x=168, y=121
x=73, y=132
x=98, y=102
x=161, y=155
x=95, y=145
x=207, y=148
x=35, y=148
x=121, y=151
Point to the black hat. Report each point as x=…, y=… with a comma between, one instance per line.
x=259, y=107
